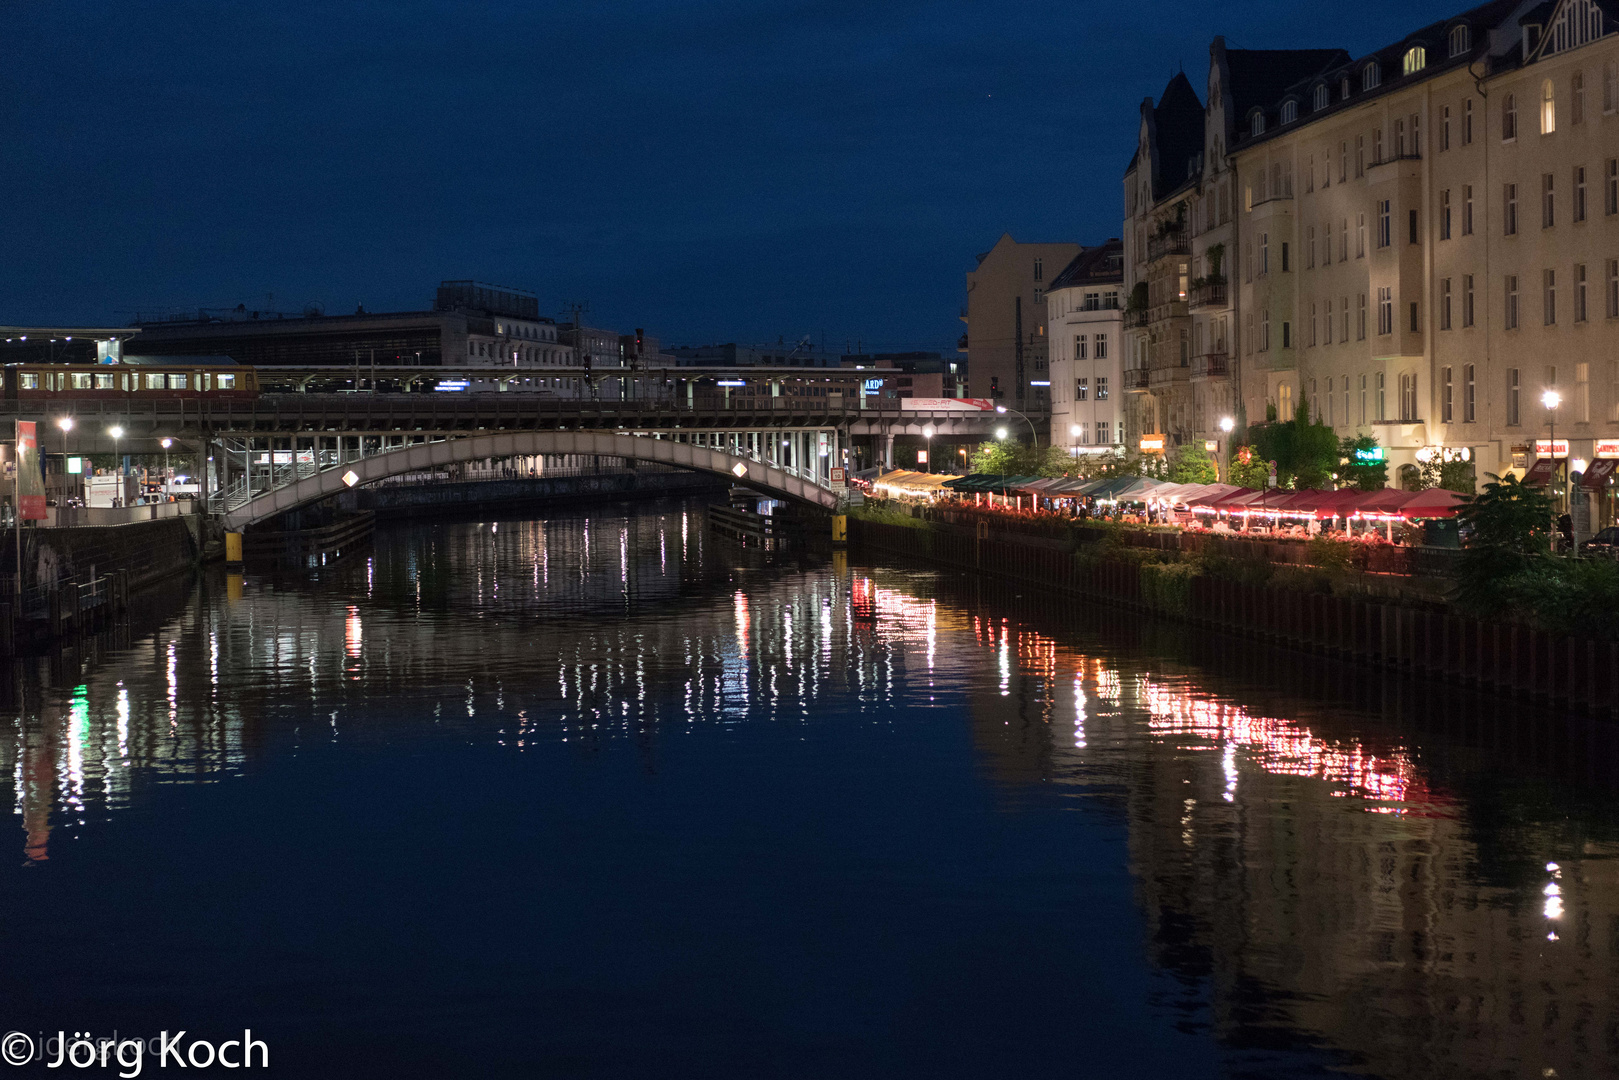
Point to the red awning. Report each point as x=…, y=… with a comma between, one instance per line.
x=1600, y=472
x=1433, y=503
x=1540, y=473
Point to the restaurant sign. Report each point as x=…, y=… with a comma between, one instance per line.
x=1152, y=444
x=1373, y=454
x=1551, y=448
x=1607, y=448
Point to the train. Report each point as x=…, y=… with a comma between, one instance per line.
x=125, y=382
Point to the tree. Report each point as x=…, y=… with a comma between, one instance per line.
x=1359, y=468
x=1452, y=475
x=1508, y=529
x=1249, y=469
x=1305, y=452
x=997, y=456
x=1193, y=465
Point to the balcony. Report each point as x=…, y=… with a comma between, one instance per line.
x=1135, y=380
x=1166, y=244
x=1135, y=319
x=1166, y=376
x=1210, y=294
x=1211, y=366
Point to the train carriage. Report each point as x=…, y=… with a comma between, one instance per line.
x=26, y=382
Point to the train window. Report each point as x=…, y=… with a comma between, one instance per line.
x=177, y=382
x=103, y=382
x=154, y=382
x=82, y=380
x=28, y=381
x=227, y=381
x=205, y=381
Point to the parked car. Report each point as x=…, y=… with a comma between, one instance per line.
x=1605, y=542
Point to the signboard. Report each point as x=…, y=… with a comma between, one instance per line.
x=1597, y=476
x=1211, y=445
x=839, y=478
x=1152, y=444
x=1540, y=473
x=943, y=404
x=921, y=457
x=30, y=482
x=1549, y=448
x=1607, y=448
x=75, y=466
x=1374, y=454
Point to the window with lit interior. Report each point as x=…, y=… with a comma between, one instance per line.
x=1461, y=39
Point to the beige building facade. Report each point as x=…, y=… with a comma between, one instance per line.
x=1006, y=345
x=1429, y=238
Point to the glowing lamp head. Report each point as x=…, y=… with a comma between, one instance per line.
x=1551, y=399
x=927, y=432
x=116, y=431
x=1073, y=429
x=1000, y=433
x=1227, y=424
x=65, y=423
x=167, y=443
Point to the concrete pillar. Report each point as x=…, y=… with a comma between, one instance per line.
x=888, y=451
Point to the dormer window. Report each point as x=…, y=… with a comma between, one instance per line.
x=1461, y=39
x=1256, y=123
x=1343, y=89
x=1370, y=77
x=1323, y=97
x=1416, y=58
x=1290, y=111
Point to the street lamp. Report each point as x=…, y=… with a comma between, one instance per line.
x=66, y=424
x=1033, y=434
x=927, y=435
x=1227, y=425
x=1001, y=433
x=117, y=432
x=167, y=490
x=1551, y=399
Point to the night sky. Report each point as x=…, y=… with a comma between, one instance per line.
x=711, y=171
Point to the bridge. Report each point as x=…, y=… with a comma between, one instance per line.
x=272, y=453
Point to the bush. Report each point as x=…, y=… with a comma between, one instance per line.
x=1242, y=570
x=884, y=516
x=1304, y=579
x=1577, y=597
x=1168, y=586
x=1331, y=555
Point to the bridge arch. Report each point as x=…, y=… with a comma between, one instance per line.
x=773, y=480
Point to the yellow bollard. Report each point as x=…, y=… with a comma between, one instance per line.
x=233, y=586
x=840, y=529
x=233, y=549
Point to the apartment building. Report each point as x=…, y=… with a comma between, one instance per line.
x=1085, y=323
x=1429, y=239
x=1006, y=344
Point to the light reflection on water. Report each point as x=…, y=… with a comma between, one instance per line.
x=1308, y=874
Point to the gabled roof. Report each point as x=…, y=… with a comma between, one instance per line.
x=1099, y=265
x=1177, y=128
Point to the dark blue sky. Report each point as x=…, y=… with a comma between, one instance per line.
x=709, y=170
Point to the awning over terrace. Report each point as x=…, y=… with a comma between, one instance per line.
x=906, y=482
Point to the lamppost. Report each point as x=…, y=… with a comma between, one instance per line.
x=66, y=424
x=1001, y=433
x=1551, y=399
x=1073, y=433
x=1035, y=435
x=927, y=436
x=117, y=432
x=1227, y=425
x=167, y=491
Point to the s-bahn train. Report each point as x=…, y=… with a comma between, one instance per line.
x=124, y=382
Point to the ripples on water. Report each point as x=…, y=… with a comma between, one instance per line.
x=790, y=819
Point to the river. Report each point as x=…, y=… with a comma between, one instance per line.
x=602, y=796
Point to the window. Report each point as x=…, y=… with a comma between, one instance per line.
x=1309, y=250
x=1256, y=123
x=1576, y=98
x=105, y=382
x=1287, y=335
x=1548, y=282
x=1509, y=210
x=1309, y=173
x=1326, y=323
x=1322, y=96
x=1383, y=214
x=1511, y=310
x=1360, y=328
x=1444, y=214
x=1512, y=397
x=1101, y=346
x=1360, y=155
x=1343, y=240
x=1461, y=39
x=1081, y=347
x=1548, y=200
x=1370, y=77
x=1346, y=396
x=1081, y=388
x=1344, y=307
x=177, y=382
x=1039, y=270
x=27, y=380
x=1314, y=338
x=225, y=381
x=1038, y=295
x=1102, y=437
x=1611, y=200
x=1509, y=118
x=1382, y=410
x=1377, y=145
x=1467, y=299
x=1610, y=88
x=1446, y=407
x=154, y=382
x=1385, y=309
x=1416, y=58
x=1467, y=210
x=1579, y=193
x=1362, y=400
x=1101, y=388
x=1264, y=330
x=1444, y=304
x=1613, y=288
x=1360, y=235
x=1579, y=292
x=1290, y=111
x=1416, y=324
x=1408, y=397
x=1548, y=108
x=1444, y=128
x=1467, y=122
x=1264, y=254
x=1411, y=226
x=82, y=380
x=1343, y=161
x=1286, y=264
x=1582, y=393
x=1469, y=395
